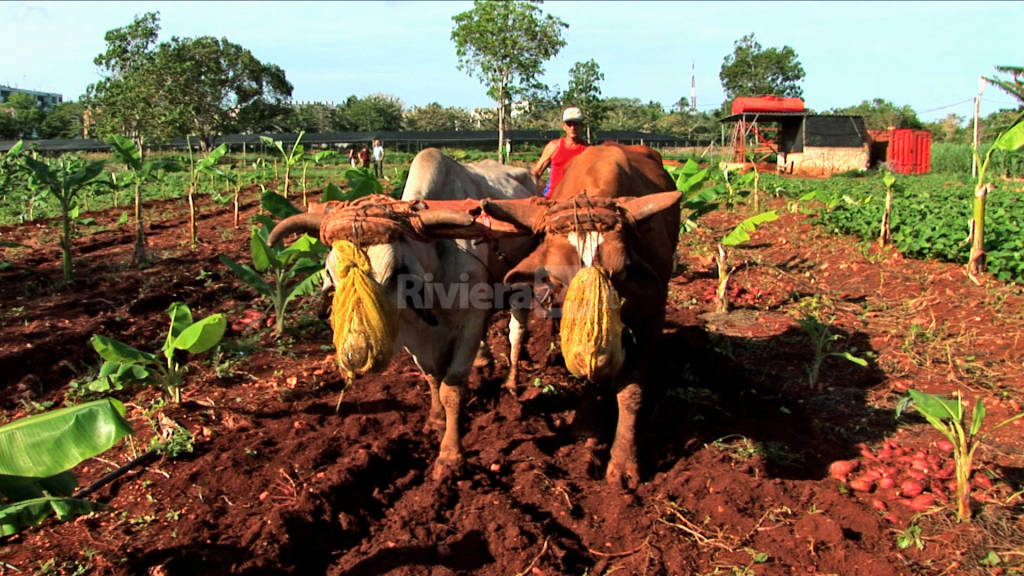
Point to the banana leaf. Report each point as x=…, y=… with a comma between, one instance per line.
x=47, y=444
x=38, y=452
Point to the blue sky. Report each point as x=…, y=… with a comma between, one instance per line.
x=927, y=55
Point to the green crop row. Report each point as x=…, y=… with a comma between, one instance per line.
x=930, y=215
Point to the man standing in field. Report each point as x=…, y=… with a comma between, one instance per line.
x=378, y=159
x=557, y=153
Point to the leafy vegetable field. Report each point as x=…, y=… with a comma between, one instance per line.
x=930, y=215
x=765, y=450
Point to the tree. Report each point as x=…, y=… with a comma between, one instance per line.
x=504, y=44
x=26, y=115
x=1013, y=87
x=584, y=92
x=699, y=127
x=65, y=121
x=309, y=117
x=219, y=87
x=130, y=99
x=433, y=116
x=880, y=114
x=753, y=71
x=373, y=112
x=950, y=129
x=201, y=86
x=631, y=114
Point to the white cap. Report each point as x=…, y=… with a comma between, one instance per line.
x=572, y=115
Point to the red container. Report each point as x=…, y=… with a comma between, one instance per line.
x=910, y=151
x=766, y=104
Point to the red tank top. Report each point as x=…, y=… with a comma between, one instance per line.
x=560, y=158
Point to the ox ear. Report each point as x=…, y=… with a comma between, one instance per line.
x=521, y=212
x=646, y=206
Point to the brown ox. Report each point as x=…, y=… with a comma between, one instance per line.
x=616, y=208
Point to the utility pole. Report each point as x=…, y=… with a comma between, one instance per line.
x=977, y=133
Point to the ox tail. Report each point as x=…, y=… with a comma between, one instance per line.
x=297, y=224
x=591, y=329
x=363, y=318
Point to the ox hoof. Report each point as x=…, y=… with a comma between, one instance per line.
x=446, y=469
x=626, y=476
x=510, y=386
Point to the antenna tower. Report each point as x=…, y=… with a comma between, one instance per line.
x=693, y=86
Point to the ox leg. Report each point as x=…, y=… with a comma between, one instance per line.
x=435, y=419
x=516, y=335
x=622, y=466
x=450, y=459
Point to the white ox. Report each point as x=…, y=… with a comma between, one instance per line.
x=443, y=288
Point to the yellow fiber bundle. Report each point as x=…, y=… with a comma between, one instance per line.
x=363, y=318
x=591, y=326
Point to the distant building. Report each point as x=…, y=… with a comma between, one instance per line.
x=45, y=100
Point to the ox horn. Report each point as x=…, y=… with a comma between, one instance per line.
x=297, y=224
x=445, y=217
x=646, y=206
x=523, y=212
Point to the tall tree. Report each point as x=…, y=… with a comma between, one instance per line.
x=584, y=92
x=752, y=71
x=504, y=43
x=220, y=87
x=201, y=86
x=129, y=100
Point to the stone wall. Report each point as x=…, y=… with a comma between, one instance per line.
x=824, y=161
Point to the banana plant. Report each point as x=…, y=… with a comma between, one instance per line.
x=1010, y=140
x=295, y=270
x=949, y=417
x=291, y=158
x=209, y=165
x=362, y=183
x=9, y=164
x=130, y=153
x=124, y=365
x=317, y=159
x=37, y=454
x=885, y=235
x=65, y=178
x=738, y=235
x=697, y=200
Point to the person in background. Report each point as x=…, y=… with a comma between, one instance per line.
x=364, y=157
x=557, y=153
x=378, y=159
x=352, y=156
